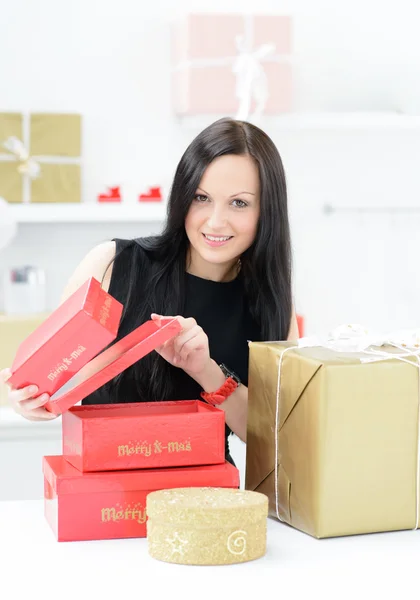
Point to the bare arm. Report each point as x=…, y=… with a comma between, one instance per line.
x=236, y=406
x=94, y=264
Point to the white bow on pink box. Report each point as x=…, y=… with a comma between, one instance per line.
x=232, y=64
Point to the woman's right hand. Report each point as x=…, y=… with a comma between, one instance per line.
x=25, y=400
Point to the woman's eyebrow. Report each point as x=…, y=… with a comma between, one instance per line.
x=232, y=196
x=251, y=194
x=199, y=188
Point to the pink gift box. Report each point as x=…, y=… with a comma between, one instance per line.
x=208, y=64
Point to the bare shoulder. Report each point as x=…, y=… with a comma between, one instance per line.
x=97, y=263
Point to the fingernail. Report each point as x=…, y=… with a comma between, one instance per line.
x=33, y=389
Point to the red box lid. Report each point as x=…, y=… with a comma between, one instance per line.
x=73, y=334
x=83, y=298
x=66, y=479
x=113, y=361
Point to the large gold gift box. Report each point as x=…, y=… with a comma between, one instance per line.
x=332, y=441
x=13, y=330
x=54, y=142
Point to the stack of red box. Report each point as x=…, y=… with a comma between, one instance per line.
x=114, y=454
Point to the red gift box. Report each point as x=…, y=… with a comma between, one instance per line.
x=108, y=505
x=113, y=361
x=68, y=339
x=143, y=435
x=301, y=325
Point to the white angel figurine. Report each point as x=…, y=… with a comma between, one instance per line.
x=251, y=79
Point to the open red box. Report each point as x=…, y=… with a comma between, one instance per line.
x=135, y=435
x=143, y=435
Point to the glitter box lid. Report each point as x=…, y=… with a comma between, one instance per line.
x=206, y=506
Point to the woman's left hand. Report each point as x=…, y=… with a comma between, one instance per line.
x=189, y=350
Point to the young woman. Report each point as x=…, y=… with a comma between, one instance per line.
x=222, y=265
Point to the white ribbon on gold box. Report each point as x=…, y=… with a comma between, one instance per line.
x=333, y=431
x=40, y=157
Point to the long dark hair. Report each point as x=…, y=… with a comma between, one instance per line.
x=157, y=283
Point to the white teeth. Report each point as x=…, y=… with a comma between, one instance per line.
x=212, y=238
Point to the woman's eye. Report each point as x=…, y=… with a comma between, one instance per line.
x=239, y=203
x=200, y=198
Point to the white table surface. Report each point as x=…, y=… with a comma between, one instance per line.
x=295, y=566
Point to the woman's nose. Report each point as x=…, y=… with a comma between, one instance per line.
x=217, y=218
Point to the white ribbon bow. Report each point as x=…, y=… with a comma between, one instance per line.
x=357, y=339
x=27, y=165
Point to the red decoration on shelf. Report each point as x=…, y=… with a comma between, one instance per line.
x=301, y=325
x=113, y=195
x=153, y=195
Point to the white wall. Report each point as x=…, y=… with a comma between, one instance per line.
x=110, y=61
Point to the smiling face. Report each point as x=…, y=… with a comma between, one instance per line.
x=222, y=220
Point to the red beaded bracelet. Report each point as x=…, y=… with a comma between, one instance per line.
x=220, y=395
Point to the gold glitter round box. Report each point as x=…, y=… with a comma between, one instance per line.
x=206, y=526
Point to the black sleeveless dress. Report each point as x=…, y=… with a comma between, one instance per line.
x=220, y=308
